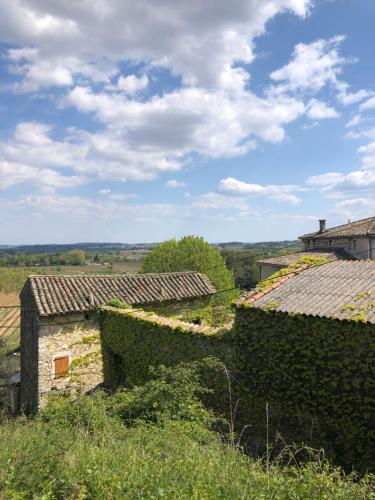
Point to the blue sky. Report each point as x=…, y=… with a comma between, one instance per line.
x=245, y=120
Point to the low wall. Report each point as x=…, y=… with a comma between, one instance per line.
x=317, y=376
x=134, y=341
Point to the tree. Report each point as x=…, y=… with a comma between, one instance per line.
x=75, y=257
x=190, y=253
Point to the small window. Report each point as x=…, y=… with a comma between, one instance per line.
x=330, y=243
x=61, y=366
x=355, y=245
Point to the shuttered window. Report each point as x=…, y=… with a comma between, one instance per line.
x=61, y=366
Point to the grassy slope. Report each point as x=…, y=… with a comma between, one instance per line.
x=153, y=441
x=176, y=460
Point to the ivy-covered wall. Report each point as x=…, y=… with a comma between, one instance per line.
x=134, y=341
x=317, y=376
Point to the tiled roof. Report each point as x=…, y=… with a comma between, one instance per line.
x=329, y=254
x=55, y=295
x=341, y=289
x=362, y=227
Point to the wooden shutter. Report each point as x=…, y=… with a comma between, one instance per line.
x=61, y=366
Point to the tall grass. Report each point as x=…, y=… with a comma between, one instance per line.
x=154, y=441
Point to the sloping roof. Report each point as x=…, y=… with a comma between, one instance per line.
x=363, y=227
x=341, y=289
x=55, y=295
x=326, y=253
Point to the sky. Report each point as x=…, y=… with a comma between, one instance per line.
x=125, y=121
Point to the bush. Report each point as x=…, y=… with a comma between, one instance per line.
x=171, y=394
x=121, y=446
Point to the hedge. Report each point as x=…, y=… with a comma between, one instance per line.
x=132, y=342
x=317, y=376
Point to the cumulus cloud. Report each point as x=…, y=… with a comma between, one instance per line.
x=367, y=105
x=173, y=184
x=172, y=126
x=318, y=110
x=336, y=185
x=218, y=201
x=80, y=205
x=199, y=40
x=312, y=66
x=17, y=173
x=279, y=193
x=129, y=84
x=356, y=208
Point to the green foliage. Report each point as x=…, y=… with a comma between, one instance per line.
x=131, y=344
x=12, y=280
x=190, y=253
x=244, y=267
x=88, y=448
x=317, y=376
x=170, y=394
x=115, y=302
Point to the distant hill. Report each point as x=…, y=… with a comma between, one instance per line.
x=113, y=247
x=87, y=247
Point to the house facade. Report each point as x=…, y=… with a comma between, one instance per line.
x=351, y=241
x=356, y=238
x=60, y=342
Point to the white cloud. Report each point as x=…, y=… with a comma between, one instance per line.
x=173, y=184
x=199, y=40
x=367, y=105
x=356, y=120
x=79, y=205
x=279, y=193
x=131, y=84
x=218, y=201
x=338, y=185
x=17, y=173
x=158, y=134
x=356, y=208
x=347, y=98
x=368, y=152
x=318, y=110
x=312, y=67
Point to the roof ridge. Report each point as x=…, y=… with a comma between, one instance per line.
x=103, y=275
x=343, y=226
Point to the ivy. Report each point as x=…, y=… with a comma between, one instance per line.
x=317, y=376
x=132, y=342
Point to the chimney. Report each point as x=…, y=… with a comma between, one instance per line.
x=322, y=225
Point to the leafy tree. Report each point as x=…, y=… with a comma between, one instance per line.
x=193, y=253
x=75, y=257
x=190, y=253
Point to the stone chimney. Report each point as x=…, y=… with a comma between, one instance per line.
x=322, y=225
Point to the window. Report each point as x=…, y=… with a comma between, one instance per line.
x=330, y=243
x=355, y=245
x=61, y=366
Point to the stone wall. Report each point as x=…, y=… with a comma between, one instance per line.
x=77, y=337
x=29, y=351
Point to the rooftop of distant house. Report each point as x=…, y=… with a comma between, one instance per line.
x=342, y=289
x=330, y=254
x=57, y=295
x=363, y=227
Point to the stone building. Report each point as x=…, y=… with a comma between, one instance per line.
x=60, y=344
x=351, y=241
x=356, y=238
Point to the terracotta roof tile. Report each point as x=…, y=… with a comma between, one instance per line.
x=363, y=227
x=59, y=294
